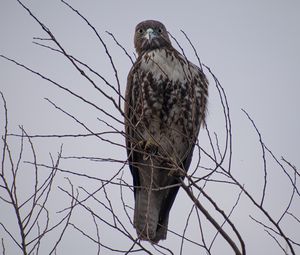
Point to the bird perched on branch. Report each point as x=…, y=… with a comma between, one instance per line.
x=165, y=105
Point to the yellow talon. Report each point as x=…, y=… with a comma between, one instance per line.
x=149, y=147
x=174, y=169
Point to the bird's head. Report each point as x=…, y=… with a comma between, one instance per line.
x=150, y=34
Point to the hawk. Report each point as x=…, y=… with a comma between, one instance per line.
x=165, y=105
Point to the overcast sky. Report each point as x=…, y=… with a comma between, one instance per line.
x=251, y=46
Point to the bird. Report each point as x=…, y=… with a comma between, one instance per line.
x=165, y=106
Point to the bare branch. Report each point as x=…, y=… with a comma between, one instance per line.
x=263, y=156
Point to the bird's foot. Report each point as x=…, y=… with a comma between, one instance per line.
x=174, y=169
x=149, y=148
x=176, y=172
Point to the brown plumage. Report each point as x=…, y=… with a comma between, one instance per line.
x=165, y=106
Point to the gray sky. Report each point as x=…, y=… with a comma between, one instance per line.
x=252, y=47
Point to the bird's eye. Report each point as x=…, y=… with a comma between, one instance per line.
x=159, y=30
x=140, y=30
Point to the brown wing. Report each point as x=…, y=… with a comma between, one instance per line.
x=129, y=124
x=199, y=116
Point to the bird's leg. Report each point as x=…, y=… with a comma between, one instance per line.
x=149, y=148
x=174, y=168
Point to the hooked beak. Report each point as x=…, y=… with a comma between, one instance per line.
x=149, y=34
